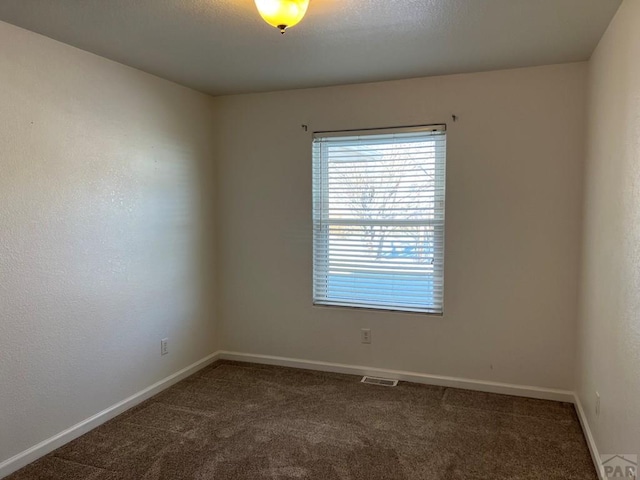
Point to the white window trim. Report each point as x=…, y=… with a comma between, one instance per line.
x=321, y=225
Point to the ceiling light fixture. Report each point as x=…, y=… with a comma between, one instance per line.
x=282, y=14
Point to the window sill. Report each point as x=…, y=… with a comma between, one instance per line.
x=377, y=310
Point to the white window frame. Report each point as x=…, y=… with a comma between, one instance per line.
x=322, y=222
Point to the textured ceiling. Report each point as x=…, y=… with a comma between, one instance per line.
x=223, y=46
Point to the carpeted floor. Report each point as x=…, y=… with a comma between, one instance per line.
x=236, y=421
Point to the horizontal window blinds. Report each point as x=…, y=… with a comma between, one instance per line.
x=378, y=218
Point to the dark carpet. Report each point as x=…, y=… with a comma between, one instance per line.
x=235, y=421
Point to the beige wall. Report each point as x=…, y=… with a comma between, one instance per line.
x=609, y=353
x=105, y=184
x=513, y=225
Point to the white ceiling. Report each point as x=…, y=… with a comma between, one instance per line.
x=223, y=46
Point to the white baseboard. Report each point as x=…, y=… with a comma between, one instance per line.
x=438, y=380
x=593, y=448
x=47, y=446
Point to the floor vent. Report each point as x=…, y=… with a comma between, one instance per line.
x=385, y=382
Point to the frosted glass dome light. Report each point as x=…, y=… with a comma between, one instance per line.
x=282, y=14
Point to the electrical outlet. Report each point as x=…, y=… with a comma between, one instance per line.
x=597, y=404
x=164, y=346
x=365, y=335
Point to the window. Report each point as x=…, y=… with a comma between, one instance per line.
x=378, y=218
